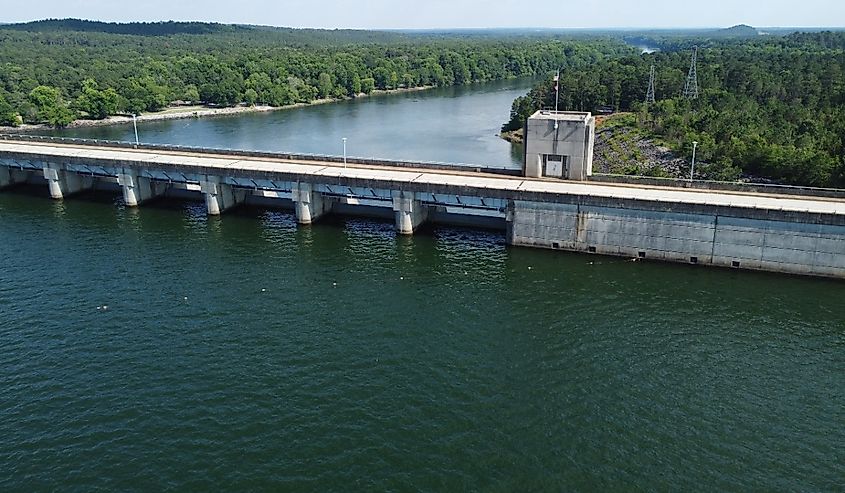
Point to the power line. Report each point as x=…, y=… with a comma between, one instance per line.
x=691, y=87
x=649, y=98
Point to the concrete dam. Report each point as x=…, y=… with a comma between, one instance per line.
x=797, y=234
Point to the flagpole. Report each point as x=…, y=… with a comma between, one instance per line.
x=557, y=95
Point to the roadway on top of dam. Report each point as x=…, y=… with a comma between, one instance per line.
x=479, y=183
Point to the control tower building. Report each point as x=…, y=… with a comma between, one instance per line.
x=559, y=144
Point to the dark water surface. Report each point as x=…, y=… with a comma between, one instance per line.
x=445, y=361
x=452, y=125
x=246, y=353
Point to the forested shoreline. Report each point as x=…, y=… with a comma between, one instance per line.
x=55, y=72
x=770, y=109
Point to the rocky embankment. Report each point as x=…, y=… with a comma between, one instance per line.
x=623, y=148
x=626, y=151
x=514, y=137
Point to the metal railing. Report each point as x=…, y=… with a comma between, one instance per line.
x=767, y=188
x=262, y=154
x=725, y=186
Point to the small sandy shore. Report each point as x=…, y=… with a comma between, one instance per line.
x=183, y=112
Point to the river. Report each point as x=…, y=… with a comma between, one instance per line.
x=159, y=349
x=452, y=125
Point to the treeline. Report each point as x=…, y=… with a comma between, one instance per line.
x=769, y=109
x=135, y=28
x=262, y=35
x=57, y=76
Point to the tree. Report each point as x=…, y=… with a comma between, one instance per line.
x=261, y=85
x=223, y=93
x=144, y=94
x=98, y=104
x=282, y=95
x=50, y=106
x=356, y=86
x=408, y=81
x=324, y=85
x=8, y=116
x=191, y=94
x=381, y=75
x=250, y=97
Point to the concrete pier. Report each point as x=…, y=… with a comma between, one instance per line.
x=138, y=189
x=310, y=205
x=65, y=183
x=219, y=196
x=6, y=177
x=410, y=212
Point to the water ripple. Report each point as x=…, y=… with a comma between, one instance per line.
x=159, y=349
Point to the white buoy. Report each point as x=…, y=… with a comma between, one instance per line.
x=263, y=290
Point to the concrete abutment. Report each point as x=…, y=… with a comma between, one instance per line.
x=65, y=183
x=310, y=205
x=685, y=236
x=139, y=189
x=219, y=196
x=6, y=178
x=410, y=212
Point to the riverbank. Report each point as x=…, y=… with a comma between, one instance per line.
x=201, y=111
x=514, y=137
x=398, y=126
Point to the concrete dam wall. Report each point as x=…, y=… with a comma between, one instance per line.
x=805, y=244
x=796, y=234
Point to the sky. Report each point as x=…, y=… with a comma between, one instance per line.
x=428, y=14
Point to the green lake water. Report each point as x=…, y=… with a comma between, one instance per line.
x=158, y=349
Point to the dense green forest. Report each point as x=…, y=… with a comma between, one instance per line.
x=59, y=70
x=769, y=108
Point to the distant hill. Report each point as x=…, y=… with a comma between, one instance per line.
x=242, y=33
x=739, y=31
x=134, y=28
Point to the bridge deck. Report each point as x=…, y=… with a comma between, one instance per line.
x=480, y=182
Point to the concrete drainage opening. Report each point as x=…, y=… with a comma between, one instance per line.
x=693, y=260
x=735, y=264
x=642, y=254
x=592, y=249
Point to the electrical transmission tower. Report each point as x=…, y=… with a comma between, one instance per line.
x=691, y=87
x=649, y=98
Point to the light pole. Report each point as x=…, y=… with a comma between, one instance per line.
x=135, y=125
x=692, y=168
x=344, y=152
